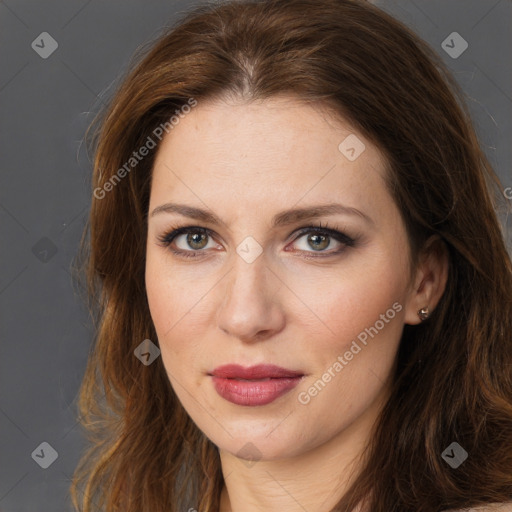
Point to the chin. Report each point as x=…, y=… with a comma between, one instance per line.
x=258, y=441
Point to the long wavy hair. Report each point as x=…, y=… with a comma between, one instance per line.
x=453, y=374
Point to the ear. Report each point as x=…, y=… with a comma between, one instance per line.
x=430, y=279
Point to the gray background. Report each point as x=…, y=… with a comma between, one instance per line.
x=46, y=104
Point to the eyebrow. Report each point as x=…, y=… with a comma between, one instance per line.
x=284, y=218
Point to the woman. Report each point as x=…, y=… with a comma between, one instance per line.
x=303, y=291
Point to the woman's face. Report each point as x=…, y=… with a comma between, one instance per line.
x=254, y=284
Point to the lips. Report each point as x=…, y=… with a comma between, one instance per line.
x=261, y=371
x=256, y=385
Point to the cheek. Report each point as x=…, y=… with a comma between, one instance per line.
x=163, y=298
x=178, y=305
x=172, y=292
x=362, y=314
x=352, y=361
x=348, y=301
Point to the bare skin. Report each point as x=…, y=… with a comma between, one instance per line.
x=299, y=305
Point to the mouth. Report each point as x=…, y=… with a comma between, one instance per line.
x=254, y=386
x=258, y=372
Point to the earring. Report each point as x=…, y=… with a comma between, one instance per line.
x=423, y=313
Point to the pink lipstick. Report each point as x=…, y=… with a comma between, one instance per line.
x=256, y=385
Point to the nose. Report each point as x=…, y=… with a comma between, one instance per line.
x=250, y=309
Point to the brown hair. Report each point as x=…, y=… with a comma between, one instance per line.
x=453, y=375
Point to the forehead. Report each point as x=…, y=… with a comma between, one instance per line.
x=269, y=153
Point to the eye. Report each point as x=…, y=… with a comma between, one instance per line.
x=191, y=241
x=317, y=239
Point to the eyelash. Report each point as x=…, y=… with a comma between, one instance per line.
x=167, y=238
